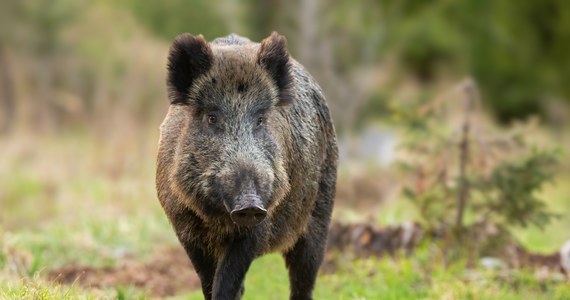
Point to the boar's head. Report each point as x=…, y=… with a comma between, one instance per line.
x=230, y=159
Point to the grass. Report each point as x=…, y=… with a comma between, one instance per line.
x=35, y=288
x=407, y=278
x=365, y=279
x=73, y=201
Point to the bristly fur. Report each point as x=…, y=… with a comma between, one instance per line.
x=246, y=122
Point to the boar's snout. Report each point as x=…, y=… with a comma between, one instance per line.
x=248, y=216
x=249, y=211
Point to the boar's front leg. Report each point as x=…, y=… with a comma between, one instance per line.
x=303, y=262
x=306, y=256
x=205, y=266
x=230, y=274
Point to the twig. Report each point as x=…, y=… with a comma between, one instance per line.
x=464, y=153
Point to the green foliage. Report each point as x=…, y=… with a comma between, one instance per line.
x=517, y=51
x=507, y=197
x=510, y=191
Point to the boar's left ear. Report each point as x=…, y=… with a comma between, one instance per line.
x=273, y=56
x=190, y=56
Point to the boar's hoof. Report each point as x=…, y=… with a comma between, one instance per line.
x=249, y=215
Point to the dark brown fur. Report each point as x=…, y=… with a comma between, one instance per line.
x=244, y=119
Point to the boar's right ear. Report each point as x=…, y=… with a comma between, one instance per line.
x=190, y=56
x=274, y=57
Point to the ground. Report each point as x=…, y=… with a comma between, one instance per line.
x=80, y=220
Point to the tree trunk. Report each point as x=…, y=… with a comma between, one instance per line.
x=463, y=193
x=7, y=104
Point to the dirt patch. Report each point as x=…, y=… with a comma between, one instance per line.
x=167, y=273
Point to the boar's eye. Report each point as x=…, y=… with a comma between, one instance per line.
x=260, y=121
x=212, y=119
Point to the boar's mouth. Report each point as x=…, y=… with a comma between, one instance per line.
x=248, y=210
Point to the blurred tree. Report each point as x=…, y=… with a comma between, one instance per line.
x=168, y=18
x=265, y=16
x=47, y=19
x=517, y=51
x=36, y=31
x=7, y=104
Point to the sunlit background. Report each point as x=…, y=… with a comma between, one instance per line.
x=436, y=103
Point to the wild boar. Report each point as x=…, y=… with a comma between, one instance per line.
x=247, y=160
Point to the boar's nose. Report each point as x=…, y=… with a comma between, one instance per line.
x=248, y=213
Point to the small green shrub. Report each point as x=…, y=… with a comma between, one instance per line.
x=462, y=180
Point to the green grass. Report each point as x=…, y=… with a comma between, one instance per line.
x=96, y=242
x=407, y=278
x=38, y=289
x=365, y=279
